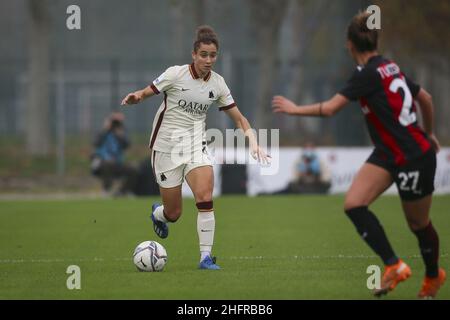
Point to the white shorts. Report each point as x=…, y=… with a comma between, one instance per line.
x=170, y=169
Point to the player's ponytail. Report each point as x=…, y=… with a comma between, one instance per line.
x=363, y=38
x=205, y=34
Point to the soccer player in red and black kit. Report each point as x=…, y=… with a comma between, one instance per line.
x=404, y=153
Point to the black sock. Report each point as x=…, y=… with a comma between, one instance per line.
x=372, y=232
x=429, y=248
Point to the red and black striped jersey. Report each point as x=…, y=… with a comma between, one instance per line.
x=387, y=101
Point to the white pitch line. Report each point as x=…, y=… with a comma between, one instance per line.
x=51, y=196
x=339, y=256
x=293, y=257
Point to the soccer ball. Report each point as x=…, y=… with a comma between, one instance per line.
x=150, y=256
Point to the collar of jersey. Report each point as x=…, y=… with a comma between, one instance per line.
x=195, y=75
x=378, y=56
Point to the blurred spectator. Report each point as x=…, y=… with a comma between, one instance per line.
x=311, y=175
x=107, y=161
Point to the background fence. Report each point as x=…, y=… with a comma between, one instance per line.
x=57, y=85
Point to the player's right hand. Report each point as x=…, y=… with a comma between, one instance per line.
x=132, y=98
x=281, y=104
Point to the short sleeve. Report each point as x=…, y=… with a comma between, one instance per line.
x=165, y=81
x=362, y=83
x=413, y=87
x=225, y=99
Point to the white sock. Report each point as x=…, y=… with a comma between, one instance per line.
x=206, y=224
x=159, y=214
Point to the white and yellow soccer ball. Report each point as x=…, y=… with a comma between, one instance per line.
x=150, y=256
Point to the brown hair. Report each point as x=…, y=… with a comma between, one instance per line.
x=206, y=35
x=360, y=35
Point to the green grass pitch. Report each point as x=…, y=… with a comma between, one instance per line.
x=290, y=247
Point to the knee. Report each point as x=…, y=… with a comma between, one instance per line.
x=351, y=203
x=417, y=224
x=205, y=196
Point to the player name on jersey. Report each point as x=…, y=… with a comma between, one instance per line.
x=388, y=70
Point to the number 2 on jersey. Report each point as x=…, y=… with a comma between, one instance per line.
x=406, y=117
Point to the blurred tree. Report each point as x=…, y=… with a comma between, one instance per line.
x=416, y=34
x=199, y=9
x=177, y=9
x=418, y=29
x=307, y=18
x=180, y=11
x=266, y=16
x=37, y=120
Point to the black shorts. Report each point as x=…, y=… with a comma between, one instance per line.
x=415, y=179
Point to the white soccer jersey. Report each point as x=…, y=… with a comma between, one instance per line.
x=180, y=120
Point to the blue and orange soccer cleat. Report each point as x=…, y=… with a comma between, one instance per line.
x=430, y=286
x=161, y=228
x=392, y=276
x=209, y=263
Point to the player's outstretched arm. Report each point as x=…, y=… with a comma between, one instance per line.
x=137, y=96
x=241, y=122
x=427, y=110
x=327, y=108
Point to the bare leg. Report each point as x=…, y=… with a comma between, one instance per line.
x=172, y=202
x=370, y=182
x=417, y=212
x=201, y=182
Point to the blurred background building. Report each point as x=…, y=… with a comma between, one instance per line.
x=57, y=85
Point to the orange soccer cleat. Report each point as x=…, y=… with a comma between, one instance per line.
x=430, y=286
x=392, y=276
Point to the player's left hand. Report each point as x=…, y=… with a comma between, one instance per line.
x=259, y=154
x=282, y=105
x=435, y=143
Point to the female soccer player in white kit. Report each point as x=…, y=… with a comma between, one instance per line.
x=177, y=143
